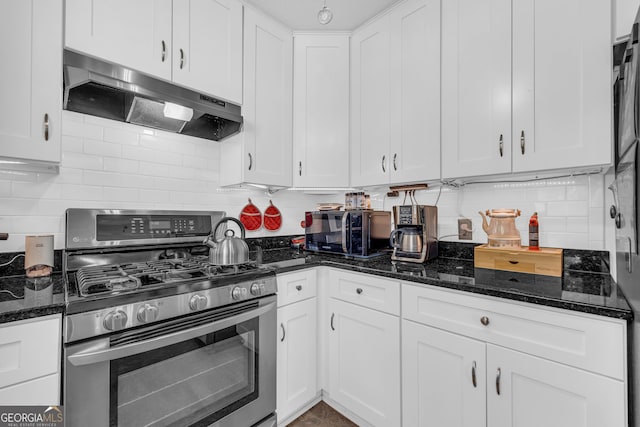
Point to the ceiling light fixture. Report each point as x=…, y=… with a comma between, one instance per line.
x=325, y=15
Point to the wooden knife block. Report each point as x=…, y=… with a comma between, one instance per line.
x=546, y=261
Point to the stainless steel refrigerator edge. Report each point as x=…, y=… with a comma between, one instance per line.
x=624, y=212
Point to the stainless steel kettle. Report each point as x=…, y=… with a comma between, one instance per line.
x=231, y=250
x=406, y=239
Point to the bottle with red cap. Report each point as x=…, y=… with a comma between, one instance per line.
x=534, y=239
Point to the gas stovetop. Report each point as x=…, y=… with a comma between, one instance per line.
x=113, y=279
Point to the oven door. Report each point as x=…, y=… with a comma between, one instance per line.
x=211, y=368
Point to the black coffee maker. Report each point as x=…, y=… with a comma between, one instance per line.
x=415, y=236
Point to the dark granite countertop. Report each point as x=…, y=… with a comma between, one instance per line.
x=24, y=298
x=586, y=285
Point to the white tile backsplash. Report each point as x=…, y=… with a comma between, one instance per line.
x=107, y=164
x=563, y=206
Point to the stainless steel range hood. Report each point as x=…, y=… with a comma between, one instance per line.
x=103, y=89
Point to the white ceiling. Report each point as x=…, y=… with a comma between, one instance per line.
x=302, y=15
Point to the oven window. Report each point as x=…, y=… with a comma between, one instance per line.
x=193, y=382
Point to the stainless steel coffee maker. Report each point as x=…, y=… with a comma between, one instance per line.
x=415, y=236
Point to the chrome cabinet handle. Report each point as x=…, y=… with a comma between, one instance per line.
x=250, y=160
x=384, y=158
x=484, y=320
x=300, y=168
x=498, y=381
x=522, y=142
x=164, y=50
x=299, y=287
x=283, y=332
x=46, y=126
x=501, y=146
x=181, y=59
x=473, y=375
x=359, y=291
x=395, y=165
x=332, y=316
x=629, y=263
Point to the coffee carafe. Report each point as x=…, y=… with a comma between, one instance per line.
x=415, y=236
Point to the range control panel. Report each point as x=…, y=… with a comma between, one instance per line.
x=115, y=227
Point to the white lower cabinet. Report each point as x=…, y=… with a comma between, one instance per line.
x=364, y=346
x=30, y=361
x=443, y=378
x=364, y=362
x=297, y=355
x=526, y=391
x=464, y=379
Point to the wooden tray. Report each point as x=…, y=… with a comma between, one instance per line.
x=546, y=261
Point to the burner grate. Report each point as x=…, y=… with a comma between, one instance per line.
x=114, y=278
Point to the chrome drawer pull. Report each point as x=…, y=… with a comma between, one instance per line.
x=359, y=291
x=299, y=287
x=484, y=320
x=473, y=375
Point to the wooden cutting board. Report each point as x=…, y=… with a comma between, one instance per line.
x=545, y=261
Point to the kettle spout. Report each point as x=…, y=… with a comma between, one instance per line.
x=485, y=225
x=210, y=241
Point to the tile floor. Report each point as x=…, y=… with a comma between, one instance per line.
x=321, y=415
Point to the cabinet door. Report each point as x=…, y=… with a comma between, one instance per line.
x=370, y=104
x=536, y=392
x=443, y=378
x=207, y=47
x=415, y=91
x=364, y=362
x=268, y=74
x=31, y=84
x=476, y=87
x=297, y=357
x=136, y=34
x=561, y=84
x=30, y=349
x=321, y=111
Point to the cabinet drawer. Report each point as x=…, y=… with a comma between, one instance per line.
x=365, y=290
x=41, y=391
x=583, y=341
x=296, y=286
x=29, y=349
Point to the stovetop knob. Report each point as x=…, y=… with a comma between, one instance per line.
x=237, y=293
x=115, y=320
x=198, y=302
x=255, y=289
x=147, y=313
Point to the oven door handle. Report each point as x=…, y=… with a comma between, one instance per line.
x=90, y=357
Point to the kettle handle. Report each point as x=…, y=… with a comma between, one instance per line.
x=393, y=238
x=225, y=219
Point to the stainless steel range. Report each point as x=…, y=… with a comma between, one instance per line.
x=155, y=334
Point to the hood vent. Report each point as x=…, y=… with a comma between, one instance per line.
x=103, y=89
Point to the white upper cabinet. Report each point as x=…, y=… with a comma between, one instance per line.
x=262, y=153
x=395, y=111
x=195, y=43
x=321, y=110
x=114, y=30
x=370, y=104
x=31, y=84
x=207, y=46
x=561, y=84
x=476, y=87
x=555, y=89
x=415, y=92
